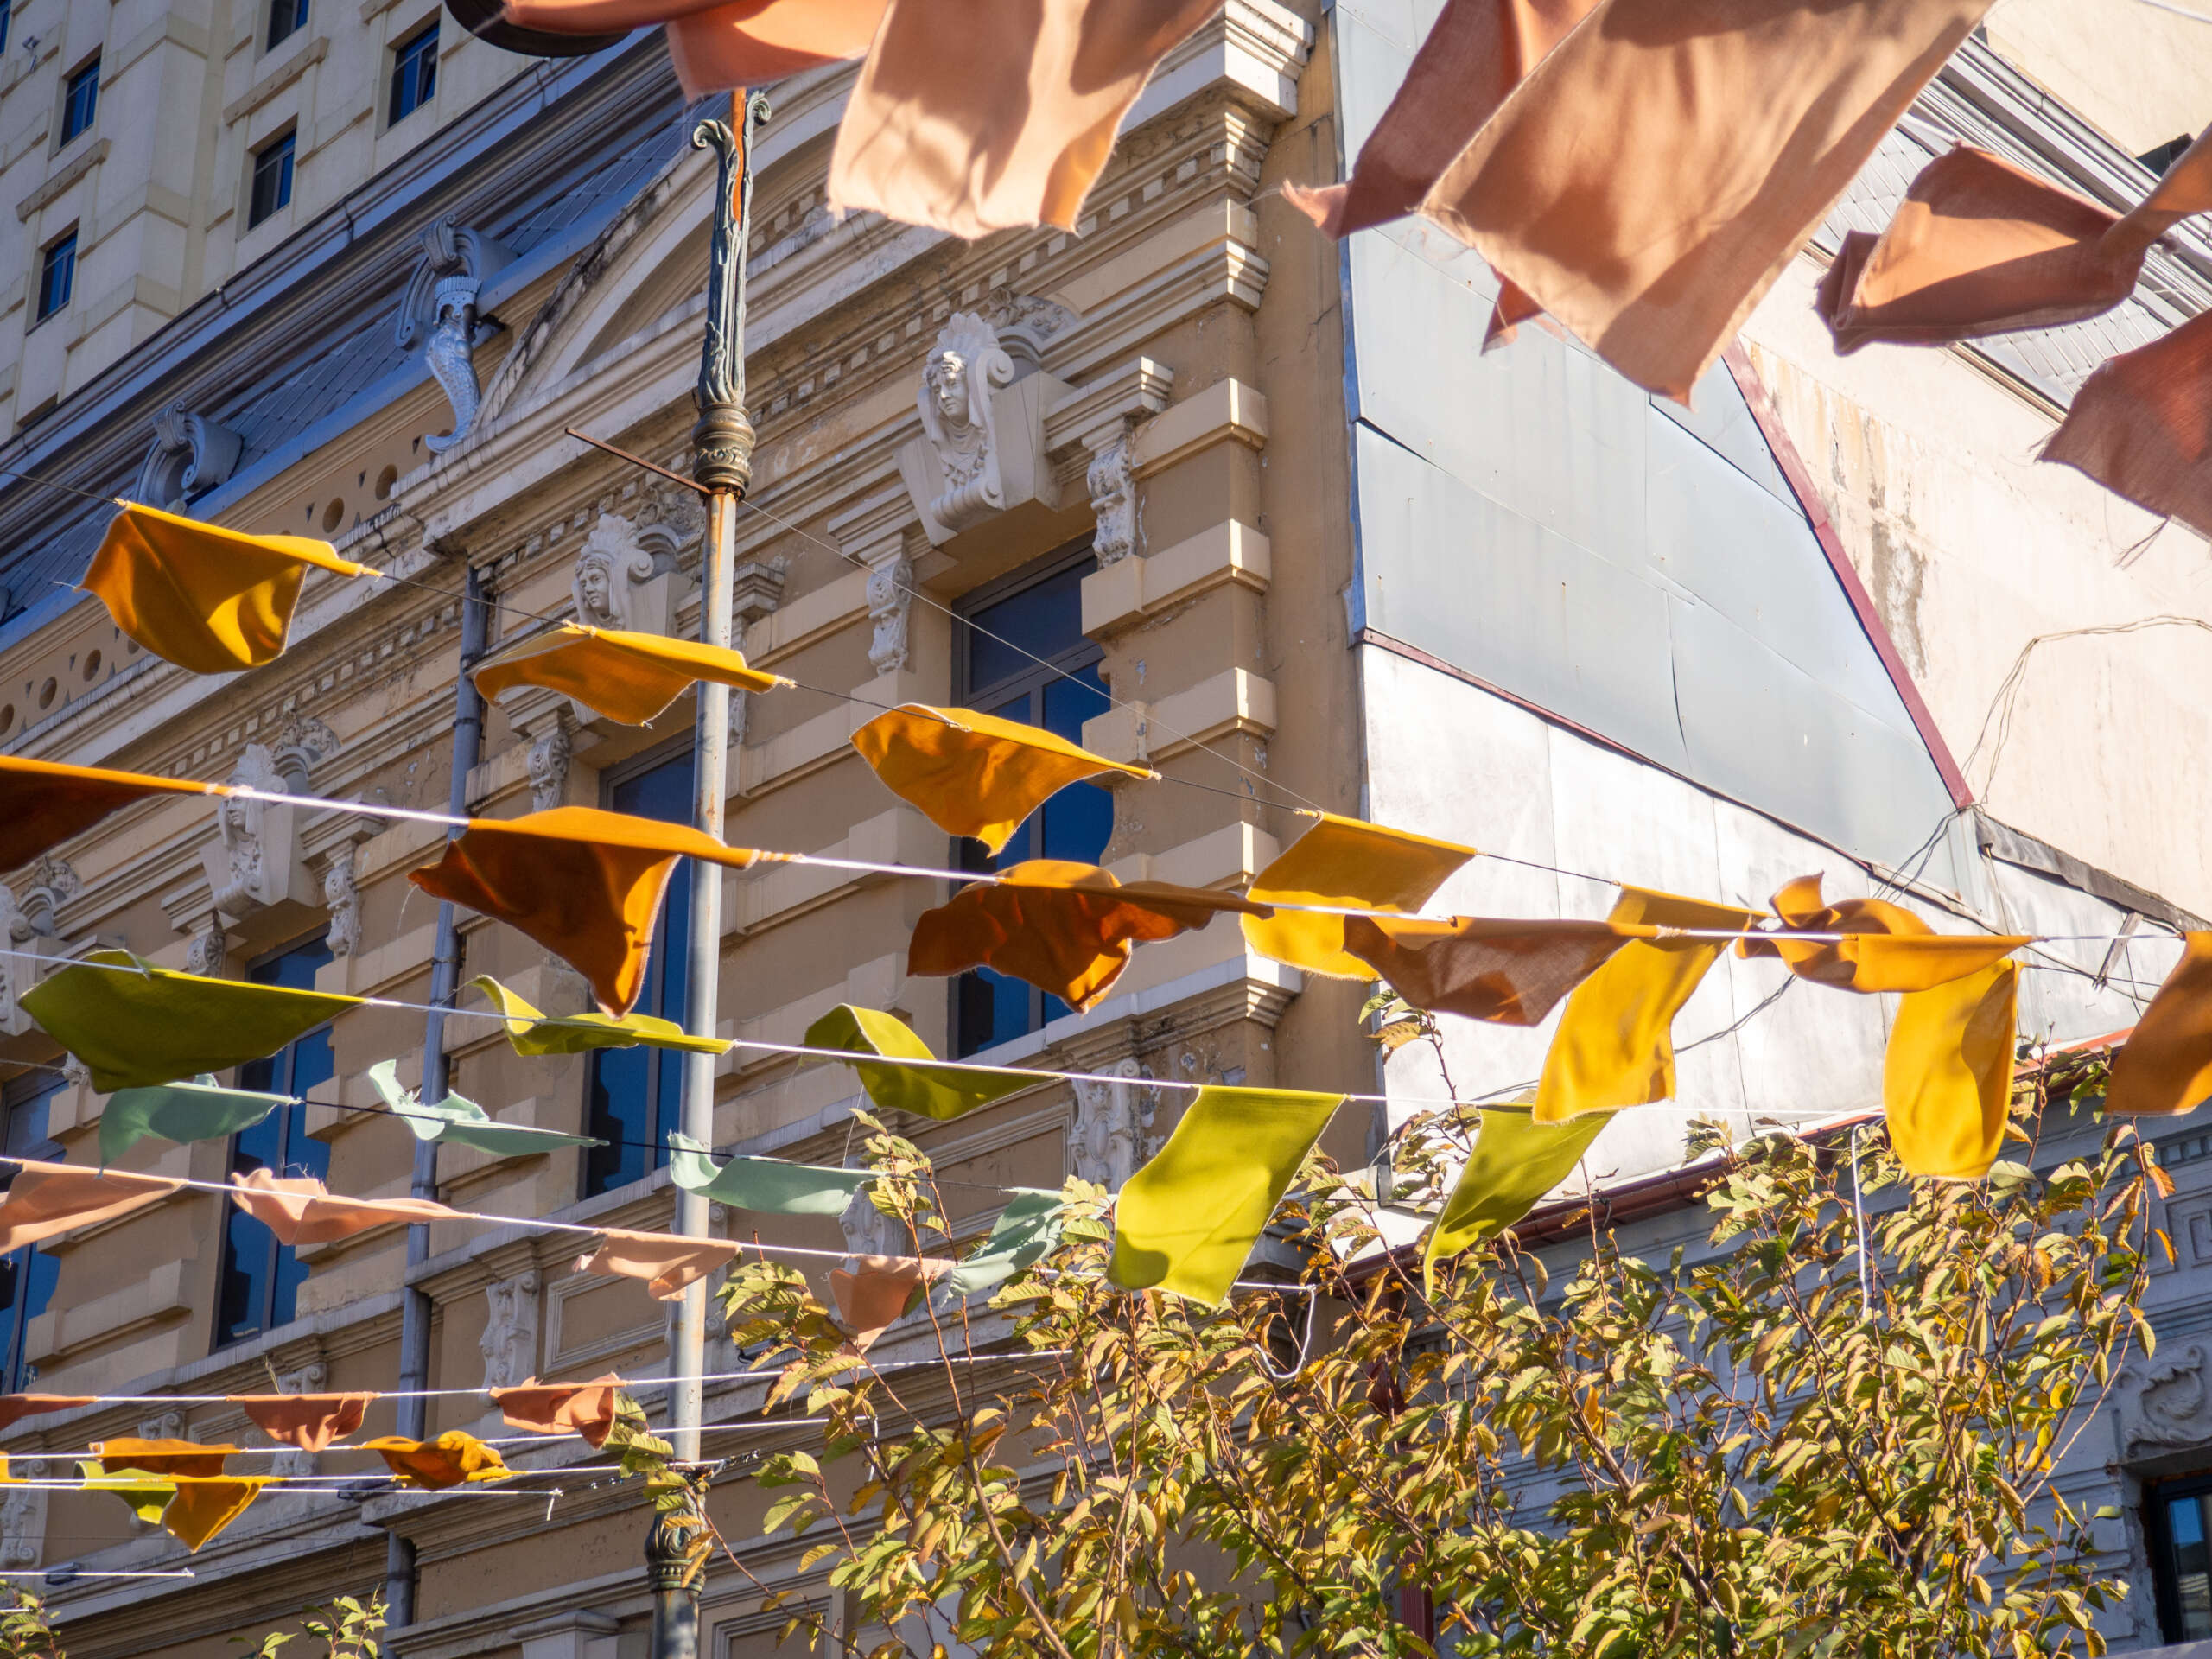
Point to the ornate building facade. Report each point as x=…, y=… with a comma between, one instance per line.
x=1261, y=516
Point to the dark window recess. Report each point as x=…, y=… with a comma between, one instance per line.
x=286, y=18
x=260, y=1283
x=57, y=276
x=2178, y=1515
x=80, y=100
x=26, y=1276
x=7, y=15
x=272, y=180
x=1041, y=615
x=2165, y=154
x=414, y=74
x=637, y=1093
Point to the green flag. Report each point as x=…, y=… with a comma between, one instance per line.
x=1188, y=1219
x=1514, y=1162
x=938, y=1091
x=768, y=1184
x=534, y=1033
x=136, y=1025
x=1028, y=1227
x=179, y=1111
x=461, y=1121
x=147, y=1495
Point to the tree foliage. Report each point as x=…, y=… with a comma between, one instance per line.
x=1768, y=1444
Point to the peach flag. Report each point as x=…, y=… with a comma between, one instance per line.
x=301, y=1210
x=585, y=1408
x=45, y=1200
x=870, y=1299
x=2141, y=426
x=310, y=1421
x=666, y=1261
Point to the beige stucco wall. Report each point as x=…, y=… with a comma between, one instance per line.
x=2140, y=73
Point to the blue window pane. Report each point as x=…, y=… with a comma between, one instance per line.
x=414, y=74
x=80, y=101
x=57, y=276
x=1043, y=620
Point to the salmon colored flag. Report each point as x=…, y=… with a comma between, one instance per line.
x=1352, y=865
x=666, y=1261
x=1065, y=928
x=2141, y=426
x=1729, y=126
x=14, y=1408
x=974, y=774
x=136, y=1025
x=1615, y=1045
x=1510, y=973
x=301, y=1210
x=1884, y=947
x=1947, y=1081
x=43, y=803
x=47, y=1200
x=585, y=1408
x=871, y=1298
x=584, y=883
x=453, y=1459
x=630, y=677
x=718, y=45
x=310, y=1421
x=207, y=599
x=2164, y=1068
x=1006, y=119
x=1476, y=53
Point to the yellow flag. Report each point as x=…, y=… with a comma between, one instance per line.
x=974, y=774
x=1946, y=1080
x=631, y=678
x=1354, y=866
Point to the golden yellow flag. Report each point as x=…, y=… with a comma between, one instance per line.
x=1948, y=1077
x=1352, y=865
x=631, y=678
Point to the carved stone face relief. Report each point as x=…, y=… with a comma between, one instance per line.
x=614, y=563
x=955, y=405
x=2164, y=1402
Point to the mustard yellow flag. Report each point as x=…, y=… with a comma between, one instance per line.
x=938, y=1091
x=974, y=774
x=204, y=1505
x=450, y=1461
x=1188, y=1219
x=631, y=678
x=136, y=1025
x=207, y=599
x=1615, y=1045
x=1354, y=866
x=535, y=1034
x=1946, y=1080
x=2165, y=1069
x=1514, y=1162
x=1884, y=947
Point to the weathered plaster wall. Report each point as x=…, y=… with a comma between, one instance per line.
x=2139, y=72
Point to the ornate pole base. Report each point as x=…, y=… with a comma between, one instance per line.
x=675, y=1605
x=721, y=447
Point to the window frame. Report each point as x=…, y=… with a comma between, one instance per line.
x=288, y=142
x=7, y=18
x=85, y=76
x=296, y=12
x=2160, y=1548
x=1032, y=680
x=658, y=1062
x=39, y=309
x=286, y=1059
x=405, y=51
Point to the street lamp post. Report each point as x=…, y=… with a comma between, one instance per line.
x=722, y=462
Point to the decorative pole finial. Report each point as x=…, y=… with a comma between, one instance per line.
x=721, y=440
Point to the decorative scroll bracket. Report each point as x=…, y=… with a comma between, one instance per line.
x=722, y=439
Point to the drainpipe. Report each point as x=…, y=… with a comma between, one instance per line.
x=445, y=976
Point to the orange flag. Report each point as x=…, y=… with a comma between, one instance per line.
x=186, y=1457
x=1006, y=119
x=869, y=1301
x=310, y=1421
x=584, y=883
x=14, y=1408
x=631, y=678
x=43, y=803
x=1476, y=53
x=974, y=774
x=717, y=45
x=1729, y=128
x=302, y=1211
x=585, y=1408
x=203, y=1508
x=2141, y=426
x=666, y=1261
x=1884, y=948
x=1065, y=928
x=207, y=599
x=450, y=1461
x=45, y=1200
x=1511, y=973
x=2165, y=1067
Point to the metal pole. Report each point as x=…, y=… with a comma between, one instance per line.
x=721, y=460
x=445, y=978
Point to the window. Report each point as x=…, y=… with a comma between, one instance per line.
x=28, y=1276
x=272, y=180
x=7, y=14
x=286, y=18
x=80, y=100
x=414, y=73
x=2177, y=1517
x=260, y=1283
x=1040, y=611
x=57, y=275
x=637, y=1093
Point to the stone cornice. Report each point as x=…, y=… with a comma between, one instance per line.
x=62, y=179
x=266, y=88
